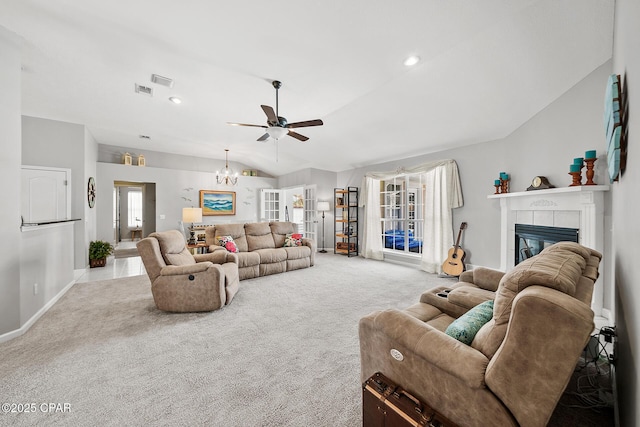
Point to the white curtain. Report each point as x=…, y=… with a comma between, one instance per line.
x=370, y=200
x=444, y=193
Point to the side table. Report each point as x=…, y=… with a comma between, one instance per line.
x=198, y=248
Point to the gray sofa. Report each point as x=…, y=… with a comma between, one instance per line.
x=261, y=248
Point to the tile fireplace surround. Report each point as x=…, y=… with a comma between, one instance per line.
x=580, y=207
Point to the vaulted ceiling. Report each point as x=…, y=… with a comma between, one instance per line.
x=486, y=68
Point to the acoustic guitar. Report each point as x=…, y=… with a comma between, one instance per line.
x=454, y=264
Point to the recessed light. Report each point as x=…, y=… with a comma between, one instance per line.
x=412, y=60
x=175, y=100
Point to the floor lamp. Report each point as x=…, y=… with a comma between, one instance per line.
x=323, y=207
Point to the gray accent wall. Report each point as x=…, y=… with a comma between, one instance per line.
x=10, y=162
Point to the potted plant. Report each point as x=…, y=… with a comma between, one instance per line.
x=99, y=250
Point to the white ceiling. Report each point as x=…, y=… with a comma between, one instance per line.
x=487, y=67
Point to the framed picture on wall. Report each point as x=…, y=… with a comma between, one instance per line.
x=215, y=202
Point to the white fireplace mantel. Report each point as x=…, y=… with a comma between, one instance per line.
x=580, y=207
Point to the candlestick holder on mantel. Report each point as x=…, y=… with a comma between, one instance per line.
x=504, y=185
x=577, y=178
x=590, y=171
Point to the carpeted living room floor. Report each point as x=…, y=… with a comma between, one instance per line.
x=283, y=353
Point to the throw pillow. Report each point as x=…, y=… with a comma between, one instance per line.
x=465, y=327
x=293, y=239
x=227, y=243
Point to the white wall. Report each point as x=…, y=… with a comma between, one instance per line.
x=90, y=217
x=170, y=190
x=625, y=208
x=46, y=261
x=10, y=162
x=65, y=145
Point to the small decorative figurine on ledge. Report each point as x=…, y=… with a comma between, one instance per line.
x=502, y=184
x=590, y=159
x=575, y=170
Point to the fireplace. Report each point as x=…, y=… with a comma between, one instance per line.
x=531, y=239
x=578, y=208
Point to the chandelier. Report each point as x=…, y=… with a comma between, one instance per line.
x=229, y=177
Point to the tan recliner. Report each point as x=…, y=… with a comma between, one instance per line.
x=519, y=363
x=182, y=282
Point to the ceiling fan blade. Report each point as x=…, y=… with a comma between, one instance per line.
x=297, y=136
x=245, y=124
x=263, y=137
x=308, y=123
x=271, y=115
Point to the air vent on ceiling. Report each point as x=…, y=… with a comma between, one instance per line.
x=144, y=90
x=164, y=81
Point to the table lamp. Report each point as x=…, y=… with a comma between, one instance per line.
x=191, y=215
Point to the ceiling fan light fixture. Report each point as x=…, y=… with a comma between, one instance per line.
x=411, y=61
x=277, y=132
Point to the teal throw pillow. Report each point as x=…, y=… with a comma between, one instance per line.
x=465, y=327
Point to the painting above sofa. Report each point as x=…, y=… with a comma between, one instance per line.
x=215, y=202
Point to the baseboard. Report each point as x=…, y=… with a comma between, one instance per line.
x=24, y=328
x=606, y=313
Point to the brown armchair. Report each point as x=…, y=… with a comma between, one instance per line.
x=182, y=282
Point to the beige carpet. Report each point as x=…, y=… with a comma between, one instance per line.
x=284, y=353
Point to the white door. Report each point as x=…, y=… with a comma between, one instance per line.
x=45, y=194
x=310, y=213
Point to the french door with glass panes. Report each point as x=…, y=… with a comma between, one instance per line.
x=273, y=204
x=402, y=219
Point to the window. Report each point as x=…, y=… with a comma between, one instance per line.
x=134, y=203
x=402, y=219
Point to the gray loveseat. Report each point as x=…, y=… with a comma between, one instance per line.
x=261, y=248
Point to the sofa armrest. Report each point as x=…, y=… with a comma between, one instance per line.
x=309, y=242
x=483, y=277
x=216, y=257
x=232, y=257
x=547, y=333
x=178, y=270
x=435, y=347
x=312, y=245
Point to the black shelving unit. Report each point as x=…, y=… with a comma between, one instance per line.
x=345, y=236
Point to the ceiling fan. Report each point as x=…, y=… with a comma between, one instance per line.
x=277, y=126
